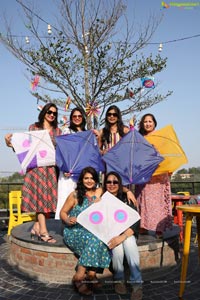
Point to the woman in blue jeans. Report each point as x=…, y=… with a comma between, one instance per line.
x=124, y=245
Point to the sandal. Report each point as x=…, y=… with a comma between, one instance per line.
x=82, y=287
x=93, y=280
x=46, y=238
x=137, y=294
x=34, y=233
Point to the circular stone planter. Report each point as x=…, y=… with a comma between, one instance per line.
x=55, y=263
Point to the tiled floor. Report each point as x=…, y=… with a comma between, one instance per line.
x=157, y=285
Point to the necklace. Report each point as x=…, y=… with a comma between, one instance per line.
x=91, y=198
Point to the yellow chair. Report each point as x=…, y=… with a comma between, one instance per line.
x=191, y=210
x=196, y=238
x=16, y=216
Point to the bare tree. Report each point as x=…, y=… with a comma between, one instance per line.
x=88, y=57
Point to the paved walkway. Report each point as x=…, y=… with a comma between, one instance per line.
x=158, y=285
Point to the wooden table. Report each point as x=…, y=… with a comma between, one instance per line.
x=191, y=210
x=178, y=200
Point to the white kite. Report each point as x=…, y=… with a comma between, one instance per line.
x=34, y=149
x=108, y=218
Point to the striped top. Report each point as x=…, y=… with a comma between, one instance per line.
x=114, y=139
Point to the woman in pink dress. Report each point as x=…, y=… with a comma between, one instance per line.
x=154, y=197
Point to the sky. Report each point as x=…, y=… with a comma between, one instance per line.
x=177, y=32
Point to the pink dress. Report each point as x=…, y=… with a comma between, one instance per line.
x=154, y=200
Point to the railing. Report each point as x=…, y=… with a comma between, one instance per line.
x=176, y=186
x=193, y=187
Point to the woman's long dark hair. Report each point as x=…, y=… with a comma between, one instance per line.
x=72, y=126
x=42, y=114
x=120, y=124
x=120, y=193
x=80, y=189
x=142, y=131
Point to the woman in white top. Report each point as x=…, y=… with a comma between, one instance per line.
x=66, y=184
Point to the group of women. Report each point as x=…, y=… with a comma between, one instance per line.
x=46, y=190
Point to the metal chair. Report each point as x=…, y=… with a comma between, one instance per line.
x=16, y=216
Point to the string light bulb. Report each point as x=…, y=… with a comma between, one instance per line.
x=86, y=49
x=27, y=40
x=160, y=47
x=49, y=29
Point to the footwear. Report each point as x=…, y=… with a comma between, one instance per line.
x=46, y=238
x=136, y=294
x=120, y=288
x=81, y=287
x=34, y=234
x=95, y=283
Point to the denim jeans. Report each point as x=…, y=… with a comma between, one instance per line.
x=129, y=249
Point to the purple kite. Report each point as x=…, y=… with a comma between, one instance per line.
x=133, y=158
x=76, y=151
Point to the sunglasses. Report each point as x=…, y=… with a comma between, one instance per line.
x=112, y=182
x=50, y=112
x=77, y=117
x=112, y=114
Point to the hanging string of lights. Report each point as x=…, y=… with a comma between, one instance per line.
x=173, y=41
x=33, y=13
x=49, y=31
x=160, y=48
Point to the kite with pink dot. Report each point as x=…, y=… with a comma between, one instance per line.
x=120, y=216
x=96, y=217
